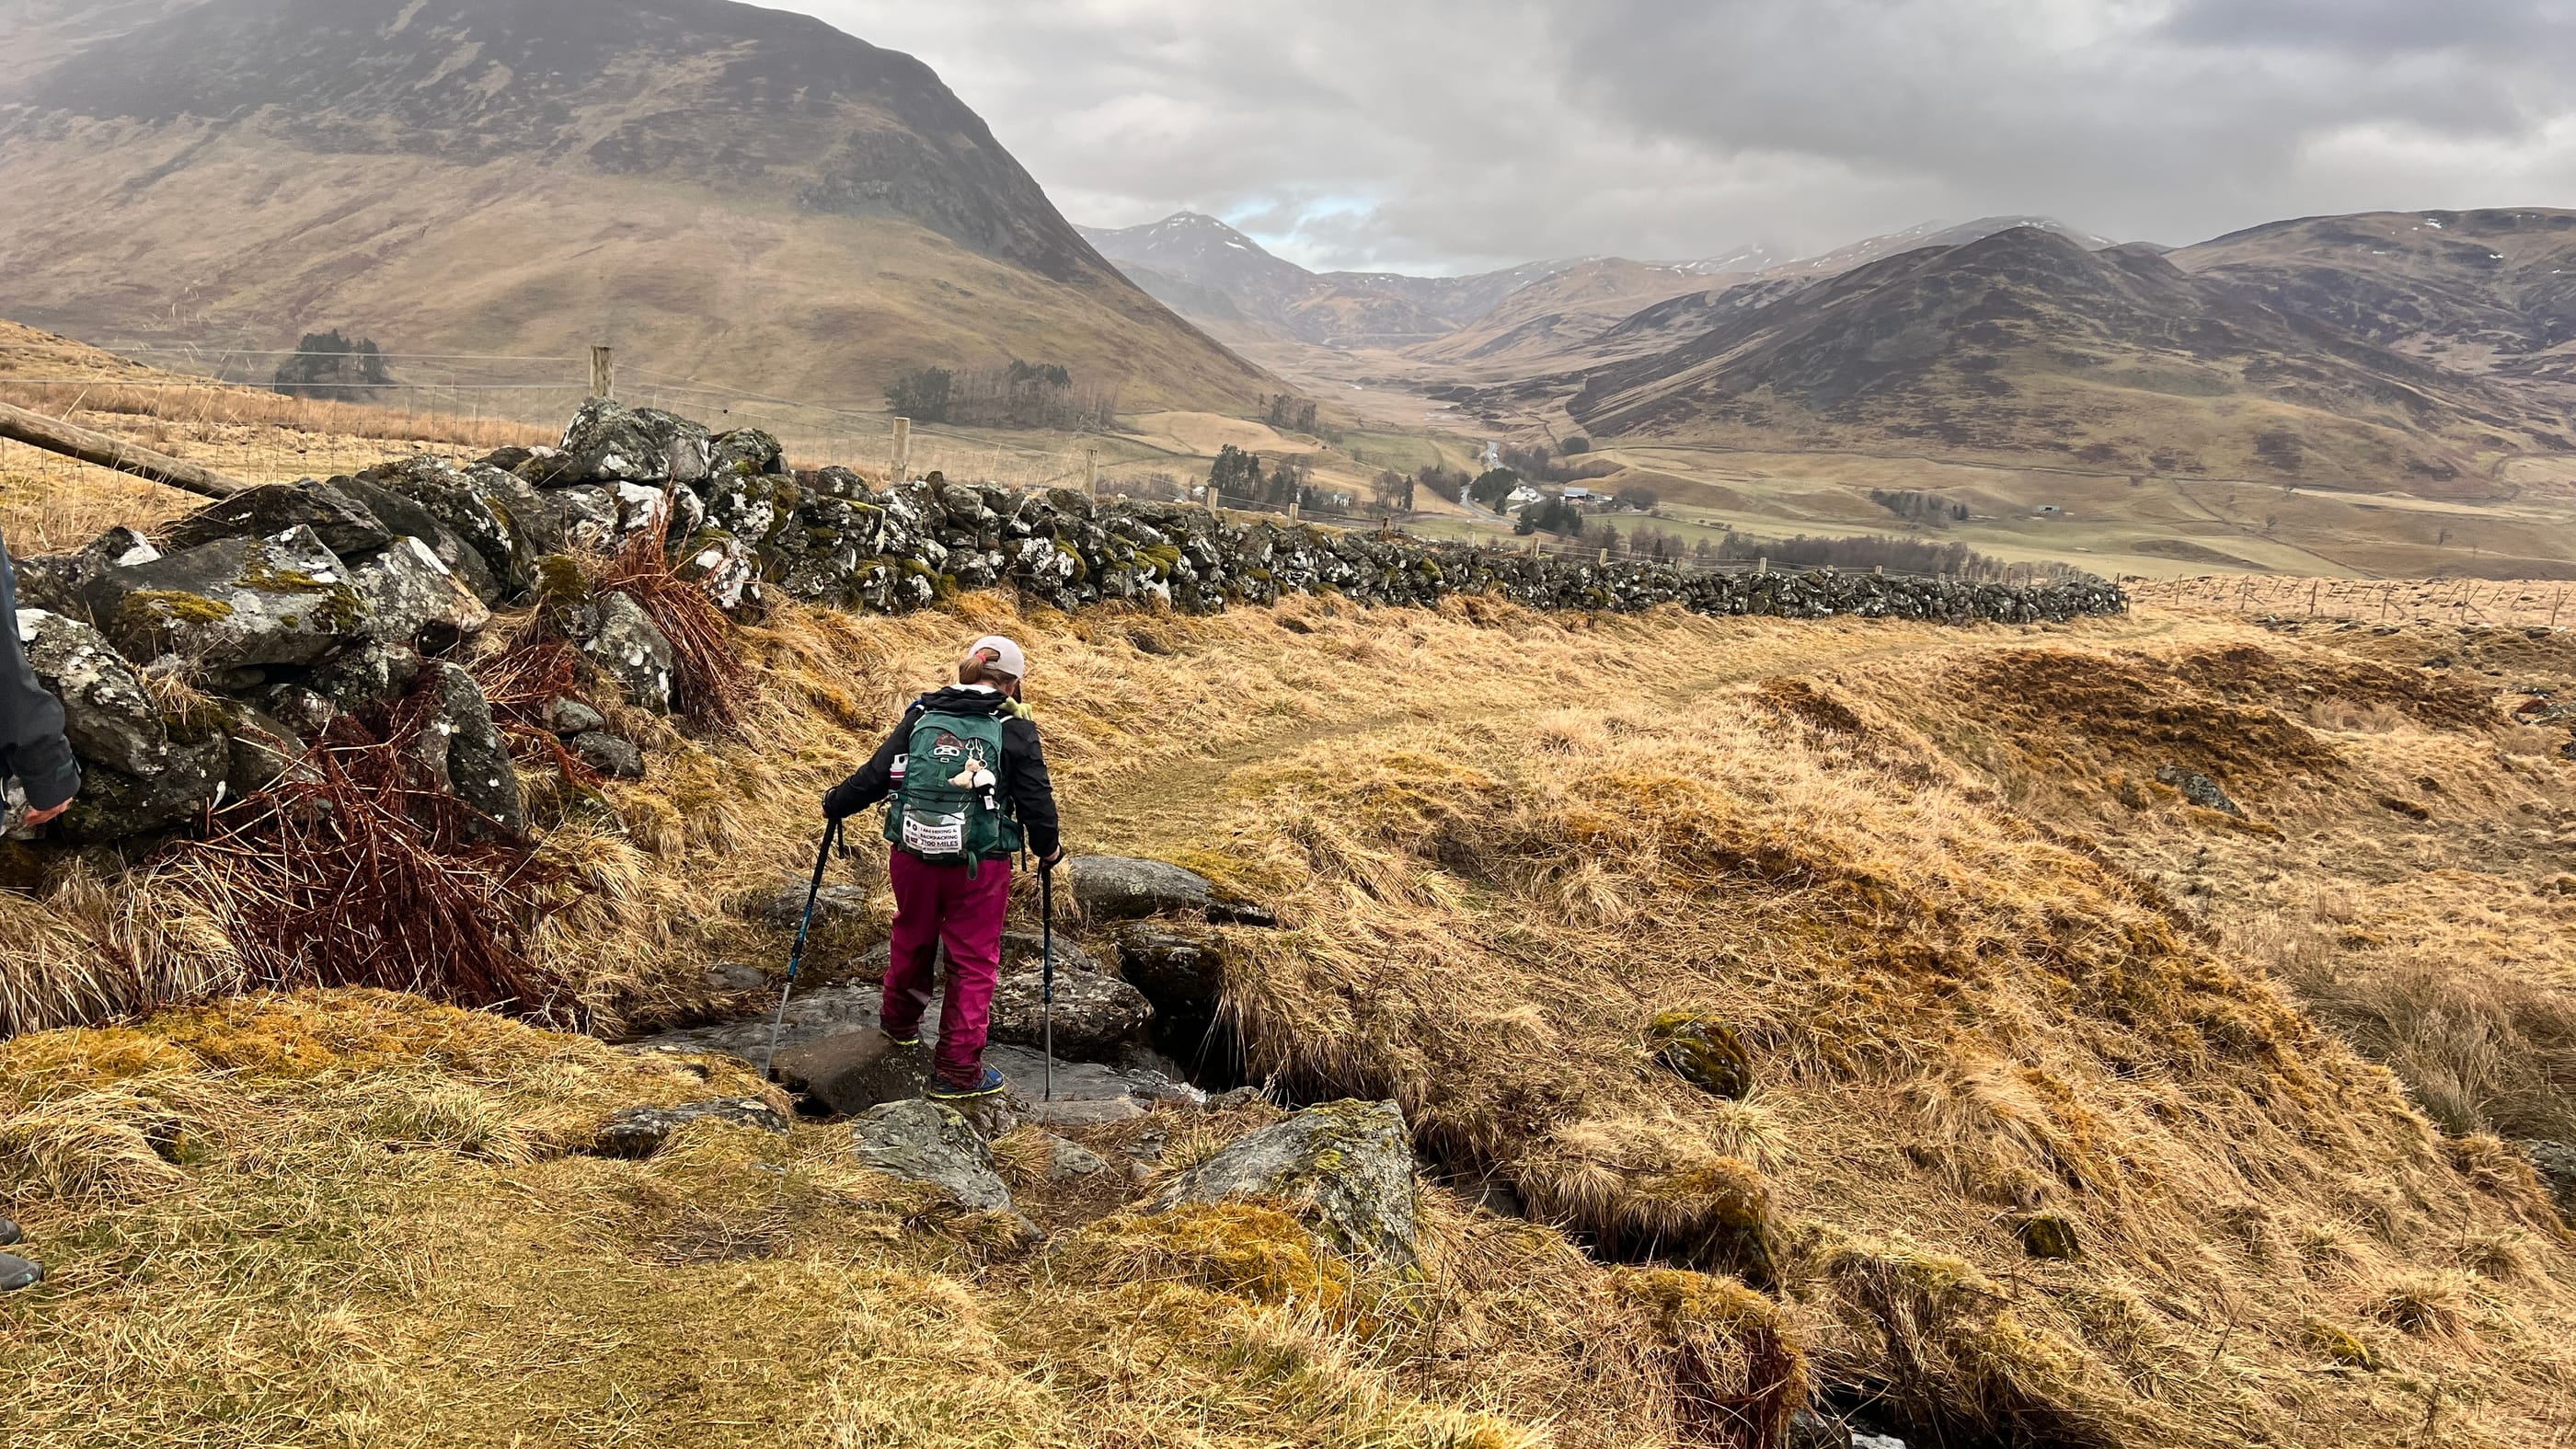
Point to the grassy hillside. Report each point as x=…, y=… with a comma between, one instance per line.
x=2026, y=345
x=733, y=195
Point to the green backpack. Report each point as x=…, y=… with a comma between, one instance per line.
x=949, y=807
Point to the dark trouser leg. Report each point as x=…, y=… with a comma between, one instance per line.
x=972, y=928
x=912, y=954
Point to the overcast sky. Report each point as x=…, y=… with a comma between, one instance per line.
x=1454, y=135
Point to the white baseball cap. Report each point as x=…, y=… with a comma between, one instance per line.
x=1006, y=655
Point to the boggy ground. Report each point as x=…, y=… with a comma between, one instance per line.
x=1926, y=877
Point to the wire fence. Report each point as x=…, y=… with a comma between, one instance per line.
x=226, y=408
x=2499, y=603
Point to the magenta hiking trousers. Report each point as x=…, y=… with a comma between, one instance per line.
x=935, y=904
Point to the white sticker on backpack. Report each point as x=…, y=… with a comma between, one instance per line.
x=934, y=835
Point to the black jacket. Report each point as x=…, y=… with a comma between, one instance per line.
x=32, y=746
x=1024, y=770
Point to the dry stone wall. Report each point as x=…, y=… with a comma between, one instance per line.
x=272, y=613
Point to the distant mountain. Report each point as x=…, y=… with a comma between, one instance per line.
x=1930, y=234
x=740, y=195
x=1208, y=271
x=39, y=34
x=1529, y=318
x=2025, y=343
x=2483, y=292
x=1540, y=322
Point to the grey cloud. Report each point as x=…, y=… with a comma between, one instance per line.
x=2376, y=27
x=1467, y=133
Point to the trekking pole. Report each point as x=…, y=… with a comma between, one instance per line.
x=1046, y=911
x=822, y=858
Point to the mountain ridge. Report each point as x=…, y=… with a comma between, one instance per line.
x=2025, y=341
x=749, y=195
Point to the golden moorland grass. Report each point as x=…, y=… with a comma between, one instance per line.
x=1502, y=842
x=1997, y=983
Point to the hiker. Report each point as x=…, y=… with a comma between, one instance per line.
x=969, y=787
x=32, y=748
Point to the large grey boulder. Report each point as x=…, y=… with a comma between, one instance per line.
x=61, y=583
x=854, y=1070
x=1345, y=1169
x=923, y=1141
x=639, y=1132
x=464, y=502
x=235, y=603
x=727, y=568
x=629, y=649
x=464, y=751
x=1093, y=1012
x=113, y=805
x=406, y=516
x=609, y=442
x=743, y=453
x=413, y=600
x=342, y=523
x=1118, y=888
x=106, y=714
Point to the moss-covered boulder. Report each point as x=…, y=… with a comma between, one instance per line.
x=236, y=603
x=1702, y=1050
x=1344, y=1168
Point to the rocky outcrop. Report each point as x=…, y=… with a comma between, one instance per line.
x=1120, y=888
x=922, y=1141
x=639, y=1132
x=854, y=1071
x=1093, y=1013
x=197, y=671
x=1345, y=1169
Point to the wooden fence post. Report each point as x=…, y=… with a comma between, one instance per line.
x=1091, y=471
x=1762, y=566
x=603, y=373
x=902, y=450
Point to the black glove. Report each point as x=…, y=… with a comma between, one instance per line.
x=841, y=801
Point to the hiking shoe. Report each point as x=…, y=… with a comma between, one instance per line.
x=912, y=1040
x=10, y=1237
x=985, y=1086
x=17, y=1272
